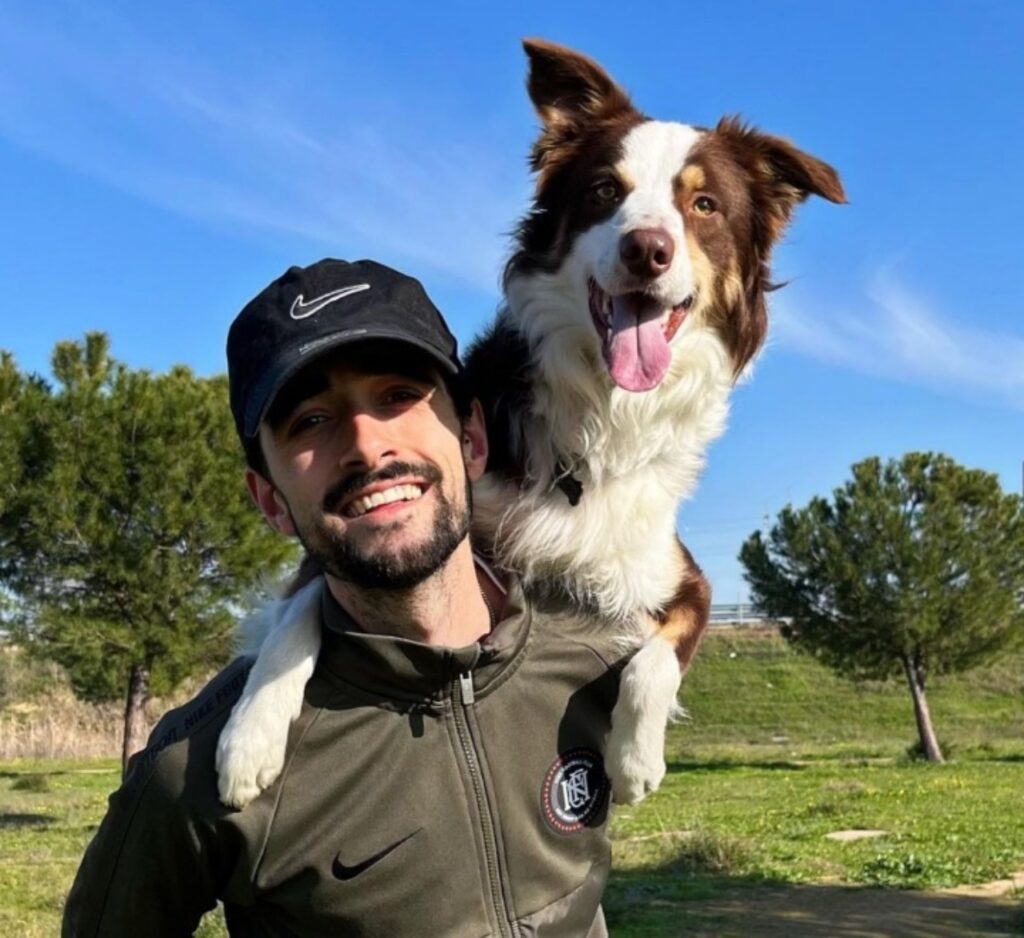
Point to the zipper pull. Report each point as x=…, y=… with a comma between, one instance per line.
x=466, y=683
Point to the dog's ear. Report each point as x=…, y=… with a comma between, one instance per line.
x=781, y=176
x=568, y=89
x=572, y=95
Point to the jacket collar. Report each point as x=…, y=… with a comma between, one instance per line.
x=406, y=670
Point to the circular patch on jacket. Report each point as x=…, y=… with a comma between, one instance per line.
x=575, y=790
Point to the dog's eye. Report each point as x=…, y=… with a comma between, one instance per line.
x=703, y=205
x=605, y=190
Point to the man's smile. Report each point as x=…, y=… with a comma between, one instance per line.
x=382, y=495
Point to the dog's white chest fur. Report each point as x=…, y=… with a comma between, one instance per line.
x=636, y=456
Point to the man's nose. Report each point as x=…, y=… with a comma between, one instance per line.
x=369, y=441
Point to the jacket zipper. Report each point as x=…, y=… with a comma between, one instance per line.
x=466, y=697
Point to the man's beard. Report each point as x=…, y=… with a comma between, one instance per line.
x=380, y=568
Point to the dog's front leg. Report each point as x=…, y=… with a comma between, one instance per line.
x=635, y=760
x=251, y=748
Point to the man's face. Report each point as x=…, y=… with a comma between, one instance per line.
x=369, y=466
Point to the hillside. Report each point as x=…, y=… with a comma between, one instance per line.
x=748, y=689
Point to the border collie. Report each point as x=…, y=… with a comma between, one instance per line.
x=634, y=300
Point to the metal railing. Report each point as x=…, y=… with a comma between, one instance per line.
x=737, y=614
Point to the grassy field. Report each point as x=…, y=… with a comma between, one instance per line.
x=777, y=754
x=717, y=827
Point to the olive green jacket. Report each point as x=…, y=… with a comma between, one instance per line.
x=426, y=791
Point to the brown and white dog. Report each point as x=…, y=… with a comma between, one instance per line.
x=634, y=300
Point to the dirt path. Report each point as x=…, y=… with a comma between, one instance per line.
x=849, y=912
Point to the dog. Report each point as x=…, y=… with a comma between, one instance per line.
x=634, y=300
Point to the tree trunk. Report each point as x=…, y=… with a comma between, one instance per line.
x=929, y=741
x=135, y=714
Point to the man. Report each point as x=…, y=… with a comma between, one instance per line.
x=444, y=776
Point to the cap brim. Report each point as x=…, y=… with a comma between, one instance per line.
x=291, y=364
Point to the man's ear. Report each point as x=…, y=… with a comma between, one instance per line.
x=270, y=503
x=474, y=442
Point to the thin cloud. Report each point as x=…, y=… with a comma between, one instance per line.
x=222, y=149
x=897, y=335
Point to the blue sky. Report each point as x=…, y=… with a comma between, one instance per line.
x=160, y=164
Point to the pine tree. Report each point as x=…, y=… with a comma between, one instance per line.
x=127, y=539
x=914, y=567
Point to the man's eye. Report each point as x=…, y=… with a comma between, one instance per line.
x=306, y=422
x=403, y=396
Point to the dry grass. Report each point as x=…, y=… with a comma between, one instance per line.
x=54, y=724
x=60, y=727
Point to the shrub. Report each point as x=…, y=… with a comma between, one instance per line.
x=33, y=782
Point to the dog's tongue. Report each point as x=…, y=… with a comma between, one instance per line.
x=638, y=355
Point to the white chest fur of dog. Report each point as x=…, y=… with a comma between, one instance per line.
x=635, y=455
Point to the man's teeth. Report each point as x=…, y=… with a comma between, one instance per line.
x=397, y=493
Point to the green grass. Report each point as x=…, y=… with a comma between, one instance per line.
x=947, y=825
x=44, y=829
x=717, y=827
x=777, y=754
x=778, y=751
x=42, y=836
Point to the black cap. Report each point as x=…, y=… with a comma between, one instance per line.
x=310, y=310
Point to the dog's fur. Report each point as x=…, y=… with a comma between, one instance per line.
x=603, y=379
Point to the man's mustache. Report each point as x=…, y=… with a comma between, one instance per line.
x=348, y=486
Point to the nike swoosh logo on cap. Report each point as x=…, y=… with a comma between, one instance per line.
x=301, y=309
x=344, y=872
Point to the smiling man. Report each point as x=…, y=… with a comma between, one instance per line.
x=444, y=776
x=367, y=455
x=400, y=506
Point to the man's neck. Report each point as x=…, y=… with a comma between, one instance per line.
x=448, y=608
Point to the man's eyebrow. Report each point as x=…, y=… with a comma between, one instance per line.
x=426, y=376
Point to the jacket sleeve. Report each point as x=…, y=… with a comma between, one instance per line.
x=150, y=869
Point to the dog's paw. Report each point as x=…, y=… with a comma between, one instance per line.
x=635, y=766
x=250, y=756
x=635, y=758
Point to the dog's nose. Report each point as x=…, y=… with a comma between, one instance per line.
x=647, y=252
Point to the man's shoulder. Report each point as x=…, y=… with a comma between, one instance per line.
x=560, y=627
x=565, y=632
x=187, y=735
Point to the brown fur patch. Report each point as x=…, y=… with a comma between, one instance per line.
x=684, y=620
x=703, y=271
